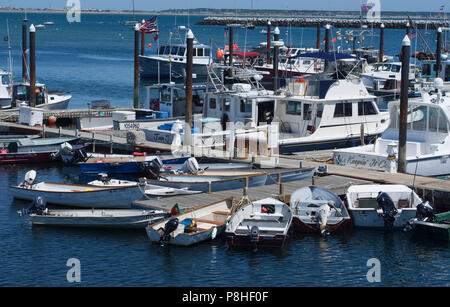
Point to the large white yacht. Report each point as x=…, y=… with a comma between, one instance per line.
x=427, y=144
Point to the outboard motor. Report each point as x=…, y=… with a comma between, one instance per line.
x=323, y=213
x=29, y=179
x=151, y=169
x=170, y=227
x=424, y=212
x=254, y=236
x=40, y=205
x=190, y=166
x=386, y=204
x=104, y=178
x=79, y=155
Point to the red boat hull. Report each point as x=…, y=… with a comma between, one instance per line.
x=27, y=157
x=312, y=228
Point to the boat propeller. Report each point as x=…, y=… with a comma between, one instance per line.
x=389, y=211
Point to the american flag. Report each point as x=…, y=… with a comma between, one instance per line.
x=149, y=26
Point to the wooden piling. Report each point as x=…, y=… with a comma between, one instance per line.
x=381, y=48
x=269, y=37
x=230, y=49
x=111, y=144
x=318, y=36
x=143, y=40
x=327, y=43
x=438, y=52
x=136, y=66
x=93, y=141
x=24, y=50
x=188, y=87
x=362, y=134
x=32, y=66
x=406, y=50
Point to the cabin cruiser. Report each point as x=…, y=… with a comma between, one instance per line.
x=44, y=99
x=427, y=143
x=5, y=89
x=170, y=61
x=377, y=77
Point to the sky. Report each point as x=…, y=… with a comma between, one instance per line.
x=348, y=5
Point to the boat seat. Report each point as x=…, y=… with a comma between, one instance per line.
x=221, y=212
x=208, y=221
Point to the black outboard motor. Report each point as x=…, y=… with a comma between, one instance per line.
x=424, y=212
x=386, y=203
x=38, y=206
x=254, y=236
x=80, y=155
x=171, y=225
x=151, y=169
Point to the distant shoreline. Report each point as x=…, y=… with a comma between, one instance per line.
x=224, y=12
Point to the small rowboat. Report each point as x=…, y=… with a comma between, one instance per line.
x=104, y=218
x=76, y=195
x=199, y=224
x=317, y=210
x=263, y=223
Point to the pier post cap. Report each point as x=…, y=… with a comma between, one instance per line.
x=327, y=26
x=136, y=27
x=143, y=21
x=439, y=30
x=269, y=23
x=382, y=25
x=406, y=41
x=276, y=31
x=407, y=24
x=32, y=28
x=189, y=34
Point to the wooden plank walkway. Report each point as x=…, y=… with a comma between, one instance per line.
x=336, y=184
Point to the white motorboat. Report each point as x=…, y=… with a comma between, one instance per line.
x=427, y=143
x=381, y=205
x=381, y=72
x=44, y=99
x=262, y=223
x=5, y=89
x=199, y=224
x=77, y=195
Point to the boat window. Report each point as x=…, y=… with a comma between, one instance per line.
x=165, y=94
x=377, y=68
x=433, y=119
x=167, y=50
x=207, y=52
x=291, y=107
x=386, y=67
x=394, y=115
x=180, y=94
x=442, y=122
x=181, y=51
x=307, y=111
x=200, y=52
x=194, y=52
x=245, y=106
x=366, y=108
x=447, y=73
x=161, y=49
x=5, y=79
x=307, y=62
x=319, y=110
x=418, y=118
x=396, y=68
x=343, y=109
x=426, y=69
x=226, y=104
x=212, y=103
x=174, y=50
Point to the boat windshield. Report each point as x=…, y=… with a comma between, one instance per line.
x=422, y=118
x=396, y=68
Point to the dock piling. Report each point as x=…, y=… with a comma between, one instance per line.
x=406, y=51
x=111, y=144
x=143, y=39
x=438, y=52
x=276, y=48
x=381, y=48
x=24, y=50
x=318, y=36
x=188, y=86
x=269, y=37
x=230, y=50
x=136, y=66
x=32, y=66
x=93, y=141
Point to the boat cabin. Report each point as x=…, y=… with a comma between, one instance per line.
x=429, y=69
x=178, y=51
x=21, y=93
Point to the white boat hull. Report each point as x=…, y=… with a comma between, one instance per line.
x=369, y=218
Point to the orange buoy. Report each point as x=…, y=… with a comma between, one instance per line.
x=52, y=120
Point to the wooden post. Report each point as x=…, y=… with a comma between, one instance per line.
x=136, y=66
x=313, y=180
x=327, y=43
x=362, y=134
x=269, y=37
x=43, y=131
x=24, y=50
x=111, y=144
x=93, y=141
x=59, y=131
x=143, y=40
x=438, y=52
x=230, y=50
x=318, y=36
x=32, y=66
x=276, y=47
x=381, y=49
x=188, y=86
x=209, y=186
x=281, y=190
x=405, y=54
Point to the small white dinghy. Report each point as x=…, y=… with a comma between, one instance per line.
x=148, y=189
x=262, y=223
x=95, y=218
x=197, y=225
x=77, y=195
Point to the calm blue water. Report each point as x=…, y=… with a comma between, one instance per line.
x=93, y=60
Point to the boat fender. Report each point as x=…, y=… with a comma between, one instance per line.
x=170, y=226
x=213, y=233
x=386, y=204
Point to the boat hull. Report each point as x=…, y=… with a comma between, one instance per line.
x=243, y=241
x=27, y=157
x=294, y=175
x=105, y=198
x=149, y=68
x=185, y=239
x=432, y=230
x=138, y=221
x=342, y=143
x=369, y=218
x=312, y=228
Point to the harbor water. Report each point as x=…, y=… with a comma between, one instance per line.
x=94, y=60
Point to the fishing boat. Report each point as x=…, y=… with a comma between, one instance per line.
x=199, y=224
x=427, y=142
x=44, y=99
x=6, y=85
x=381, y=205
x=170, y=59
x=380, y=73
x=262, y=223
x=76, y=195
x=320, y=211
x=93, y=218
